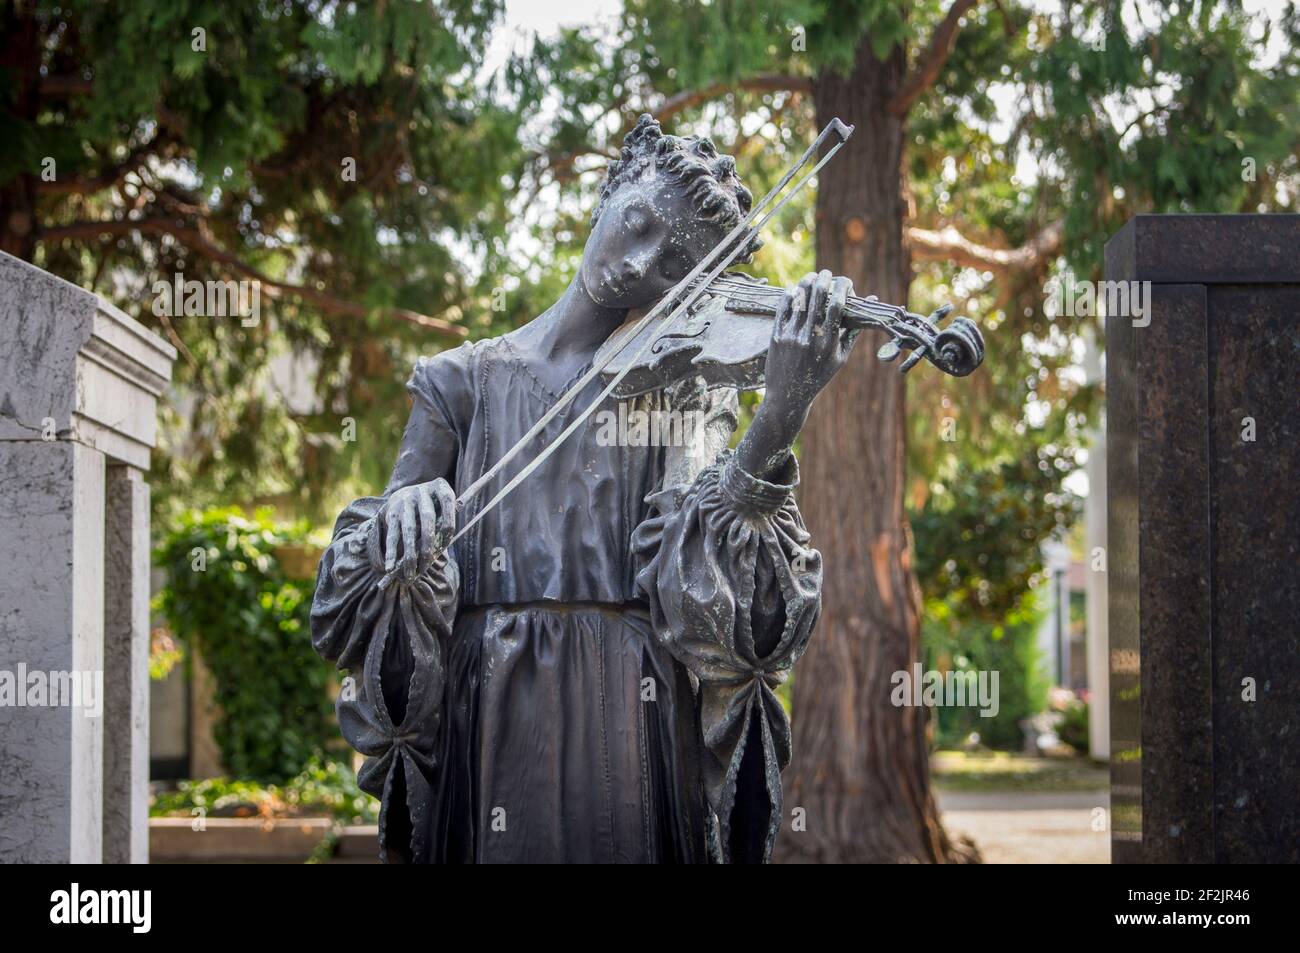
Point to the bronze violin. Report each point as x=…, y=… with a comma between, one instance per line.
x=719, y=324
x=723, y=338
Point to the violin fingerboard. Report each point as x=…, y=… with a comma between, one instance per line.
x=737, y=306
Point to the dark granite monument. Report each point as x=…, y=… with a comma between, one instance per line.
x=1204, y=523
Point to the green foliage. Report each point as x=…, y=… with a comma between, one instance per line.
x=241, y=151
x=1083, y=113
x=321, y=788
x=978, y=534
x=1073, y=729
x=164, y=655
x=251, y=625
x=1008, y=647
x=1225, y=99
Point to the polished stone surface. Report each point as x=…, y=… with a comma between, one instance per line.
x=1204, y=531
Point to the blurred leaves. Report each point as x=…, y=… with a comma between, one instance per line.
x=226, y=594
x=322, y=787
x=469, y=186
x=246, y=141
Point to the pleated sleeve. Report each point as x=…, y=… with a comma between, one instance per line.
x=734, y=591
x=389, y=635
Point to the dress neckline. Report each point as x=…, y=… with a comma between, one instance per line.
x=536, y=382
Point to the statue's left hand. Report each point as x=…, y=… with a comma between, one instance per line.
x=421, y=519
x=808, y=343
x=809, y=346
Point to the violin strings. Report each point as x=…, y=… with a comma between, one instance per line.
x=742, y=287
x=754, y=293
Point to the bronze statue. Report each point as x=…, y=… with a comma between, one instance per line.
x=584, y=670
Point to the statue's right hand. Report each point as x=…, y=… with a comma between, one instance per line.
x=422, y=519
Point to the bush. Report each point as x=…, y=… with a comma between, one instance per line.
x=227, y=595
x=1010, y=648
x=321, y=789
x=1074, y=726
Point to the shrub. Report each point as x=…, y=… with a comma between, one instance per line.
x=1074, y=726
x=227, y=595
x=322, y=788
x=1010, y=648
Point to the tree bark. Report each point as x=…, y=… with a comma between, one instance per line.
x=20, y=61
x=860, y=766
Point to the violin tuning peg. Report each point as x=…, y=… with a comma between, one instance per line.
x=940, y=313
x=888, y=351
x=912, y=360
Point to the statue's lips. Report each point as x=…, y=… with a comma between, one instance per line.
x=613, y=283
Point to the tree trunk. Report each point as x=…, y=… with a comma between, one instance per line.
x=20, y=61
x=860, y=767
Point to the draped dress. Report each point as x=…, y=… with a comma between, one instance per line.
x=587, y=675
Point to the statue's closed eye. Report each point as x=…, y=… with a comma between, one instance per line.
x=637, y=220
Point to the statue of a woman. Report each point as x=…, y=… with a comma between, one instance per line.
x=588, y=674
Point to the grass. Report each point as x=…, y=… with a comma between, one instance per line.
x=1004, y=771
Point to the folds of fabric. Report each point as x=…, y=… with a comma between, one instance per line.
x=590, y=675
x=391, y=641
x=570, y=738
x=734, y=593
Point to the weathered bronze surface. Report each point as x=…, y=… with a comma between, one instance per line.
x=587, y=674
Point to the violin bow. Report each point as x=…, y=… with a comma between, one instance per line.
x=682, y=296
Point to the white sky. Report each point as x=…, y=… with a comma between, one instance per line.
x=523, y=19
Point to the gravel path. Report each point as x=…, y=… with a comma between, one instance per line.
x=1016, y=827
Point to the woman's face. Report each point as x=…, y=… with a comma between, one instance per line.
x=648, y=238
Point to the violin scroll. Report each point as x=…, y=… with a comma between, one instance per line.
x=959, y=348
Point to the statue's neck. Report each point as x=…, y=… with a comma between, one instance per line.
x=575, y=326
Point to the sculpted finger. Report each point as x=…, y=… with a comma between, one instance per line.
x=802, y=302
x=817, y=307
x=836, y=303
x=784, y=316
x=410, y=545
x=446, y=499
x=841, y=288
x=428, y=525
x=392, y=526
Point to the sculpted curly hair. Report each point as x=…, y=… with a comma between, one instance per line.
x=709, y=178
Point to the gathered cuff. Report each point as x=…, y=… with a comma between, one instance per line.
x=753, y=496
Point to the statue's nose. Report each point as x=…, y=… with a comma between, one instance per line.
x=633, y=270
